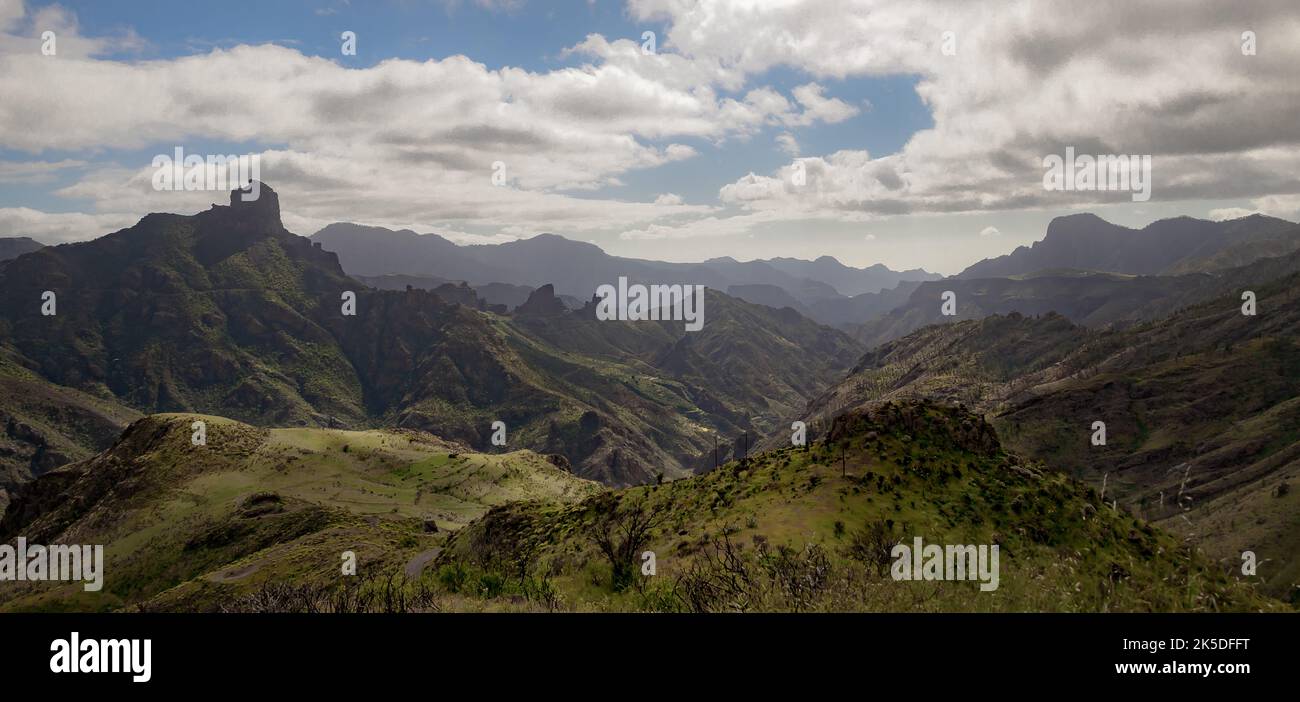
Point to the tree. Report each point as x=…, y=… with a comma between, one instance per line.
x=621, y=532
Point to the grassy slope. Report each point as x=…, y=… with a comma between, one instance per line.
x=194, y=525
x=43, y=425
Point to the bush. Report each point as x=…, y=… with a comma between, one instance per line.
x=453, y=577
x=491, y=585
x=873, y=545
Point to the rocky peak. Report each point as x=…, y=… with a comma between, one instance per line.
x=541, y=302
x=256, y=200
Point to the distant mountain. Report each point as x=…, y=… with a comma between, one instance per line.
x=1084, y=297
x=15, y=246
x=577, y=268
x=758, y=272
x=376, y=251
x=849, y=281
x=400, y=281
x=1088, y=242
x=849, y=313
x=770, y=295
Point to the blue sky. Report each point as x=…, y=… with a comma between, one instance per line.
x=532, y=37
x=916, y=157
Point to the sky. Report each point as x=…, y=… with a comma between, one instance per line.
x=910, y=133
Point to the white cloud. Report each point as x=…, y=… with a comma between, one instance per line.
x=35, y=171
x=61, y=227
x=400, y=141
x=1161, y=78
x=414, y=142
x=990, y=231
x=21, y=32
x=787, y=143
x=668, y=199
x=819, y=108
x=1225, y=213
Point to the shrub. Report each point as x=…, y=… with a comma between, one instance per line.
x=453, y=577
x=873, y=545
x=491, y=585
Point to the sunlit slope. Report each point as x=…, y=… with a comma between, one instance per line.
x=253, y=503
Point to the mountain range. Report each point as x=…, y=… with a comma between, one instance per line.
x=577, y=268
x=225, y=312
x=352, y=384
x=1235, y=255
x=1165, y=247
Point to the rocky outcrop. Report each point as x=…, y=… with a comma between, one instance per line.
x=542, y=303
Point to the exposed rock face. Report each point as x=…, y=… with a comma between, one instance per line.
x=258, y=201
x=542, y=303
x=461, y=294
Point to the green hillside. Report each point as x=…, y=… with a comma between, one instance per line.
x=811, y=530
x=198, y=524
x=258, y=520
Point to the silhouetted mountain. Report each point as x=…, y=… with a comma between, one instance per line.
x=1088, y=298
x=849, y=313
x=401, y=281
x=849, y=281
x=376, y=251
x=15, y=246
x=769, y=295
x=1088, y=242
x=758, y=273
x=578, y=268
